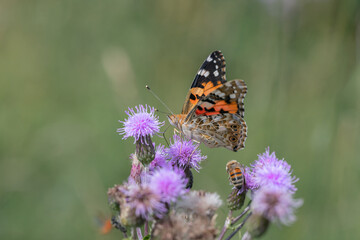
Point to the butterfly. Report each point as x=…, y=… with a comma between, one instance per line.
x=213, y=112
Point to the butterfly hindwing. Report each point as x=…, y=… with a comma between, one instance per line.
x=210, y=76
x=222, y=130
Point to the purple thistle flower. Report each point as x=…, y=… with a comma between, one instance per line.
x=268, y=170
x=160, y=158
x=144, y=200
x=275, y=204
x=169, y=183
x=184, y=153
x=141, y=122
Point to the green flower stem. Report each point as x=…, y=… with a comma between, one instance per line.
x=239, y=227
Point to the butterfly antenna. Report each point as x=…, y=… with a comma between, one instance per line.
x=157, y=110
x=148, y=88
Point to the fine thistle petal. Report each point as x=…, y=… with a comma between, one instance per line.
x=275, y=204
x=184, y=153
x=270, y=170
x=160, y=158
x=168, y=183
x=141, y=122
x=144, y=200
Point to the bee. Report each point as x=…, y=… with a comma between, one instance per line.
x=236, y=174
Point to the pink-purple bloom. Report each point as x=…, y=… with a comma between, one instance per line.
x=169, y=183
x=144, y=200
x=275, y=204
x=184, y=153
x=160, y=159
x=141, y=122
x=268, y=170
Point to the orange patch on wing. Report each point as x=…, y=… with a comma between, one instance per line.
x=217, y=108
x=209, y=87
x=197, y=92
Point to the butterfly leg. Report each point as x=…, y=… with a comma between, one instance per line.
x=198, y=144
x=176, y=131
x=163, y=134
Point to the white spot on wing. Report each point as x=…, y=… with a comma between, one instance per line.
x=232, y=95
x=209, y=59
x=216, y=66
x=216, y=73
x=206, y=74
x=221, y=94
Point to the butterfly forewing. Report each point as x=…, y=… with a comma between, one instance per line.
x=209, y=77
x=228, y=98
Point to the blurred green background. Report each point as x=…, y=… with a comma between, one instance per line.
x=69, y=69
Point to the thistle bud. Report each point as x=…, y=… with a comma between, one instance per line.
x=190, y=178
x=236, y=199
x=256, y=225
x=145, y=150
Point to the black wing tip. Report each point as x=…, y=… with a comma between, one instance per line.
x=217, y=53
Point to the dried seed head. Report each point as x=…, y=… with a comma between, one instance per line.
x=199, y=203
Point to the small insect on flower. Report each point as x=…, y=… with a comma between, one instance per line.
x=236, y=176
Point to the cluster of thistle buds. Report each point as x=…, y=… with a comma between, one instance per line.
x=156, y=201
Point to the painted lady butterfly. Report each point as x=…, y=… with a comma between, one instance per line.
x=213, y=112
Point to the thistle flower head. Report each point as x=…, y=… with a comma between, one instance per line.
x=144, y=200
x=268, y=170
x=184, y=153
x=169, y=183
x=275, y=204
x=160, y=158
x=141, y=122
